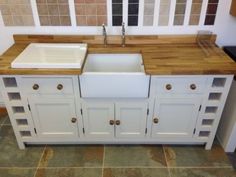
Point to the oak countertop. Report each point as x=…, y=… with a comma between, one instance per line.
x=159, y=59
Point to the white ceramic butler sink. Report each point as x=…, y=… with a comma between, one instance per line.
x=51, y=55
x=114, y=76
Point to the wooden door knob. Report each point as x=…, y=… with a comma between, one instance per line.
x=35, y=86
x=117, y=122
x=168, y=86
x=155, y=120
x=73, y=120
x=193, y=86
x=111, y=122
x=59, y=86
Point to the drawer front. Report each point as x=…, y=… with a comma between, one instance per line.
x=180, y=85
x=48, y=85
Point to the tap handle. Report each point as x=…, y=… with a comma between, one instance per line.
x=123, y=27
x=104, y=28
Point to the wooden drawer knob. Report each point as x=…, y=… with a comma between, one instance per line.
x=168, y=86
x=111, y=122
x=73, y=120
x=155, y=120
x=35, y=86
x=193, y=86
x=59, y=86
x=117, y=122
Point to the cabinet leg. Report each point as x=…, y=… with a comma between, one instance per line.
x=208, y=145
x=21, y=145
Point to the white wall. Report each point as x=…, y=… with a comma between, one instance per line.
x=225, y=27
x=226, y=132
x=6, y=39
x=225, y=24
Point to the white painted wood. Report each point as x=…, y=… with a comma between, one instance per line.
x=156, y=12
x=125, y=13
x=48, y=85
x=203, y=12
x=172, y=13
x=180, y=85
x=1, y=101
x=187, y=12
x=120, y=141
x=132, y=117
x=180, y=104
x=13, y=115
x=177, y=116
x=72, y=13
x=109, y=11
x=35, y=13
x=52, y=117
x=229, y=79
x=78, y=105
x=97, y=116
x=140, y=13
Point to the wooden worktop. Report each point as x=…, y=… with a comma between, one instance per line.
x=181, y=56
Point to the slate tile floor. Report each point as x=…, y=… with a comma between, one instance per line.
x=110, y=160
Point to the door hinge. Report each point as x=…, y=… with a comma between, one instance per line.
x=83, y=131
x=29, y=107
x=81, y=111
x=200, y=107
x=35, y=130
x=194, y=131
x=147, y=111
x=146, y=131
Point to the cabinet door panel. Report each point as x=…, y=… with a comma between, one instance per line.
x=96, y=119
x=132, y=117
x=52, y=117
x=176, y=117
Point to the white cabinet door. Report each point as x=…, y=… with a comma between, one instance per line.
x=175, y=117
x=131, y=119
x=97, y=117
x=54, y=118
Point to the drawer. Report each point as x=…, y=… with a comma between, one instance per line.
x=180, y=85
x=48, y=85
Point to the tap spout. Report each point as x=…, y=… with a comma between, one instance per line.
x=104, y=33
x=123, y=35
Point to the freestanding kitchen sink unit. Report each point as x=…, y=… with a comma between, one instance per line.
x=109, y=98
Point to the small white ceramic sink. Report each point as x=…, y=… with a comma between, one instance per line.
x=114, y=76
x=49, y=55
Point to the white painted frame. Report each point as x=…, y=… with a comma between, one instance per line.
x=135, y=30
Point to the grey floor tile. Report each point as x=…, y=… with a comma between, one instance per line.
x=16, y=172
x=135, y=172
x=7, y=121
x=196, y=156
x=69, y=172
x=203, y=172
x=73, y=156
x=3, y=119
x=12, y=156
x=134, y=156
